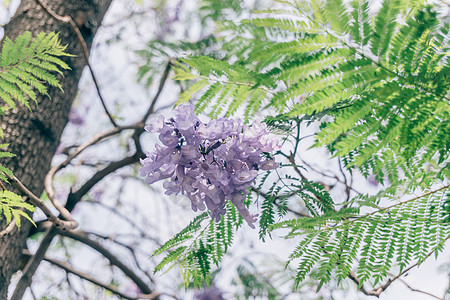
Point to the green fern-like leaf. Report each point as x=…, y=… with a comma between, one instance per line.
x=27, y=65
x=402, y=233
x=12, y=206
x=198, y=247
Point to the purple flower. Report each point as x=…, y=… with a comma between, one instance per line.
x=244, y=175
x=210, y=163
x=156, y=124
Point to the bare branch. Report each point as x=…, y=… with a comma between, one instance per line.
x=416, y=290
x=419, y=291
x=137, y=133
x=33, y=264
x=294, y=165
x=130, y=221
x=129, y=248
x=356, y=280
x=83, y=237
x=69, y=223
x=70, y=269
x=68, y=20
x=48, y=182
x=75, y=197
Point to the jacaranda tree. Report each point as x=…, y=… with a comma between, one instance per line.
x=371, y=77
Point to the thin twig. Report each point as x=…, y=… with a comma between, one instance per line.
x=294, y=165
x=332, y=176
x=137, y=133
x=32, y=294
x=71, y=287
x=419, y=291
x=162, y=83
x=297, y=138
x=414, y=289
x=129, y=220
x=68, y=20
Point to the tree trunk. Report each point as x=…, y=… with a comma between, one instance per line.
x=34, y=136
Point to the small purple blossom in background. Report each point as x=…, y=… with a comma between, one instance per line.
x=75, y=118
x=210, y=163
x=211, y=293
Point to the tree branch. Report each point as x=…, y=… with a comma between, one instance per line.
x=130, y=221
x=419, y=291
x=129, y=248
x=48, y=182
x=88, y=277
x=356, y=280
x=75, y=197
x=162, y=83
x=68, y=20
x=33, y=264
x=83, y=237
x=294, y=165
x=69, y=223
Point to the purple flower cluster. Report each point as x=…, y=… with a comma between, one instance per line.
x=210, y=163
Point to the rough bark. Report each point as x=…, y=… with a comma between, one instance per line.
x=34, y=136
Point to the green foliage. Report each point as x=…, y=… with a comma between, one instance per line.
x=197, y=247
x=274, y=206
x=164, y=48
x=12, y=206
x=5, y=171
x=255, y=284
x=384, y=82
x=217, y=10
x=26, y=66
x=225, y=83
x=395, y=235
